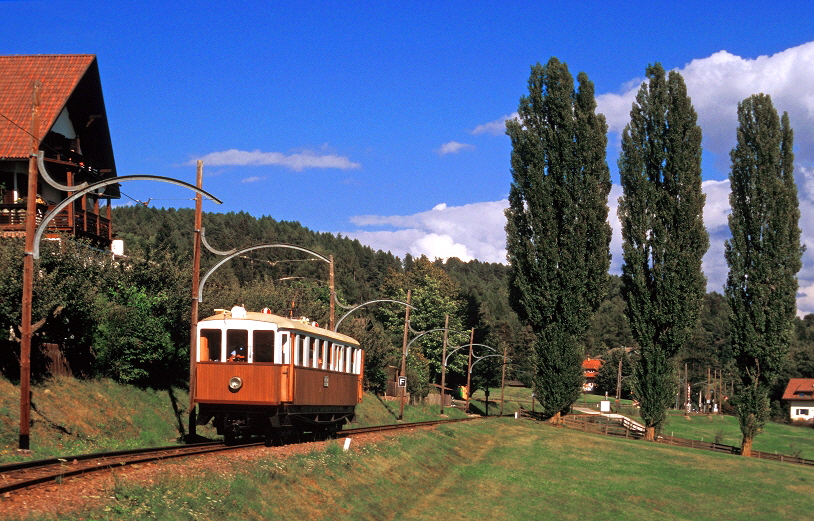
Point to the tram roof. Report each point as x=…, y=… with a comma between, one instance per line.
x=286, y=323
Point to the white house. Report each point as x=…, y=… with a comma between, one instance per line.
x=800, y=396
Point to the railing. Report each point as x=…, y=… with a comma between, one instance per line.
x=86, y=224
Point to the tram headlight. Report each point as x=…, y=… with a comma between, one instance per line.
x=235, y=383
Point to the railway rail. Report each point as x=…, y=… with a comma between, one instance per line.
x=16, y=476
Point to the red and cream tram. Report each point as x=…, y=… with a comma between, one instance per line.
x=259, y=373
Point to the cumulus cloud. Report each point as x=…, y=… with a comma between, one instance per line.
x=496, y=127
x=453, y=147
x=472, y=231
x=719, y=82
x=716, y=85
x=297, y=161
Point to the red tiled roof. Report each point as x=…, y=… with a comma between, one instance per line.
x=59, y=75
x=797, y=386
x=592, y=364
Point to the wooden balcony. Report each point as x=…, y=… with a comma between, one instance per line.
x=70, y=221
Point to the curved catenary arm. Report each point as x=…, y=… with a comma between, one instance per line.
x=95, y=186
x=336, y=326
x=210, y=248
x=486, y=356
x=251, y=248
x=50, y=180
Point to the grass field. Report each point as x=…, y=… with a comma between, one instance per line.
x=490, y=469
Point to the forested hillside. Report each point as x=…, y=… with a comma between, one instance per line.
x=129, y=319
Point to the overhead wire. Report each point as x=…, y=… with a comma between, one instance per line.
x=85, y=169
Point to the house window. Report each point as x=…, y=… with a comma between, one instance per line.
x=802, y=412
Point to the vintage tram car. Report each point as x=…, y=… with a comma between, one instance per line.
x=282, y=378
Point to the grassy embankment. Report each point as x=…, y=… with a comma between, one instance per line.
x=494, y=469
x=75, y=417
x=78, y=417
x=497, y=469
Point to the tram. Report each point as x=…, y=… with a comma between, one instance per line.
x=257, y=373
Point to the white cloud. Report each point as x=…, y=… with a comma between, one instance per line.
x=252, y=179
x=719, y=82
x=472, y=231
x=453, y=147
x=297, y=161
x=716, y=85
x=496, y=127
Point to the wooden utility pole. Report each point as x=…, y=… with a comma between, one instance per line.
x=332, y=284
x=443, y=360
x=196, y=277
x=404, y=355
x=503, y=377
x=469, y=371
x=28, y=275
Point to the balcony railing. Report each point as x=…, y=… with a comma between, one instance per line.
x=70, y=221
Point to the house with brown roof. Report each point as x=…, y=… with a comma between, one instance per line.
x=799, y=394
x=590, y=368
x=73, y=137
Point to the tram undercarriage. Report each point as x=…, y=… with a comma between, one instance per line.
x=276, y=424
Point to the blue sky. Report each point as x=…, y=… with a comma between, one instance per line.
x=383, y=120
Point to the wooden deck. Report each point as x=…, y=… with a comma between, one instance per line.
x=71, y=221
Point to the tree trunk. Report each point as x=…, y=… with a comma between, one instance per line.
x=650, y=434
x=746, y=447
x=556, y=419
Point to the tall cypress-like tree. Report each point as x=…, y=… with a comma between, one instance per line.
x=764, y=256
x=663, y=231
x=557, y=231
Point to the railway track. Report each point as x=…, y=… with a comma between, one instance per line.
x=16, y=476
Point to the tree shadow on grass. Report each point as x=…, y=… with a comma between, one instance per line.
x=179, y=413
x=387, y=407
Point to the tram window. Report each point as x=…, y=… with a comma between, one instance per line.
x=286, y=348
x=340, y=359
x=348, y=359
x=263, y=346
x=357, y=359
x=306, y=350
x=299, y=350
x=210, y=345
x=315, y=358
x=326, y=353
x=237, y=345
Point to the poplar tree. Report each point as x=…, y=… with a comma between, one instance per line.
x=764, y=256
x=664, y=239
x=557, y=231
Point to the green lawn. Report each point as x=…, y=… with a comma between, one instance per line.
x=490, y=469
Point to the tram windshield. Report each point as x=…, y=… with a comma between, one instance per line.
x=237, y=345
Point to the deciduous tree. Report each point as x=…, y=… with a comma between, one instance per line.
x=764, y=256
x=557, y=229
x=663, y=234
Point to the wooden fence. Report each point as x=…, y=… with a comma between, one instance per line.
x=610, y=427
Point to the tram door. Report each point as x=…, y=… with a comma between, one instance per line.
x=287, y=373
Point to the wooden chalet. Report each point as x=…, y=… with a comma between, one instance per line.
x=73, y=136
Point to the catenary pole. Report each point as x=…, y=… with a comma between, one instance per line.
x=28, y=276
x=404, y=354
x=443, y=360
x=196, y=277
x=469, y=370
